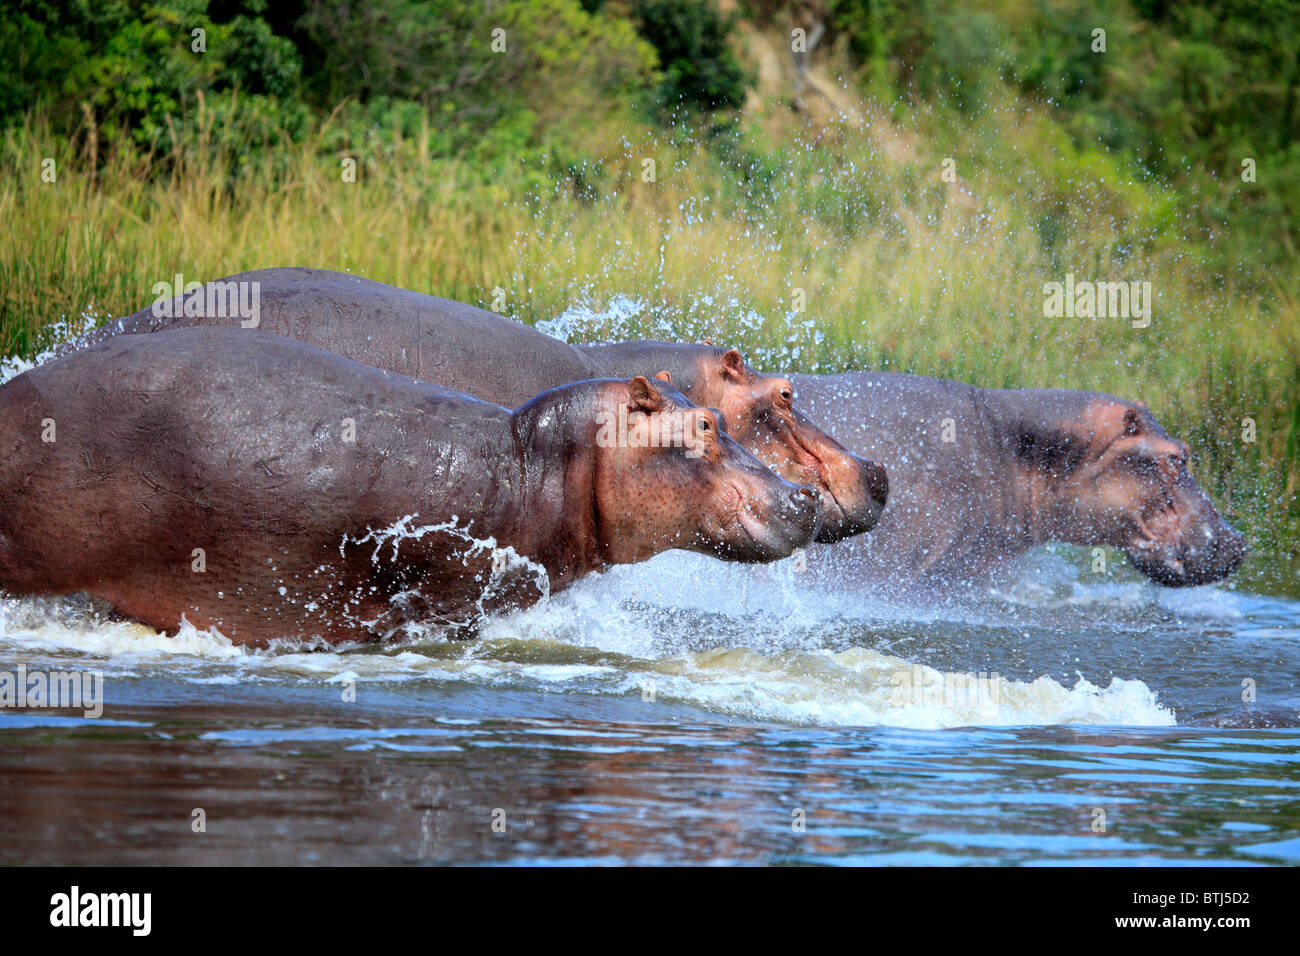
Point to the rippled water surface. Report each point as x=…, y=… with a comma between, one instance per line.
x=686, y=710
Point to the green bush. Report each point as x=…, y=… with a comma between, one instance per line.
x=700, y=70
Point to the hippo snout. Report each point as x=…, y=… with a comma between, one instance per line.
x=876, y=482
x=859, y=508
x=1203, y=556
x=1224, y=554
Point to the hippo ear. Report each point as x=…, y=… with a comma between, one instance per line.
x=644, y=395
x=664, y=376
x=733, y=364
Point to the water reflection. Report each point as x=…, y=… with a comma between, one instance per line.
x=329, y=788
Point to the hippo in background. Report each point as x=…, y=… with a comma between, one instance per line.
x=490, y=357
x=1023, y=467
x=268, y=489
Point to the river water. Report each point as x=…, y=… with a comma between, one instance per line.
x=684, y=710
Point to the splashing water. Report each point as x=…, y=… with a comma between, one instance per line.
x=60, y=332
x=744, y=643
x=507, y=572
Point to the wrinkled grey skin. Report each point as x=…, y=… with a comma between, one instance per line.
x=437, y=340
x=236, y=443
x=1026, y=467
x=483, y=354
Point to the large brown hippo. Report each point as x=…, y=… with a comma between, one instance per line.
x=483, y=354
x=269, y=489
x=979, y=475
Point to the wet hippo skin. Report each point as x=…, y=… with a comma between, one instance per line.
x=483, y=354
x=1023, y=467
x=269, y=489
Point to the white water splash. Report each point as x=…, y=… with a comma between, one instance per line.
x=628, y=319
x=506, y=570
x=586, y=323
x=743, y=642
x=60, y=332
x=1046, y=578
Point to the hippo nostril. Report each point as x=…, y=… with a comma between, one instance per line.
x=805, y=495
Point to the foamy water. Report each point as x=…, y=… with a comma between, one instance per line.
x=749, y=643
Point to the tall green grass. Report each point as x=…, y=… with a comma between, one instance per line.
x=898, y=268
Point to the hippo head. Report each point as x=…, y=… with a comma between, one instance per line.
x=760, y=414
x=1114, y=476
x=668, y=476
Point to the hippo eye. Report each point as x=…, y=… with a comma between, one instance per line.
x=704, y=425
x=787, y=395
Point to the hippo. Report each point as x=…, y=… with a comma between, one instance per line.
x=978, y=476
x=242, y=481
x=494, y=358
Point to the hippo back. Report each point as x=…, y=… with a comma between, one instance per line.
x=438, y=340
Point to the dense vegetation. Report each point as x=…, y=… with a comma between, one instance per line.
x=665, y=167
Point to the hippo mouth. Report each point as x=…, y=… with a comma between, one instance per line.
x=1202, y=554
x=776, y=536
